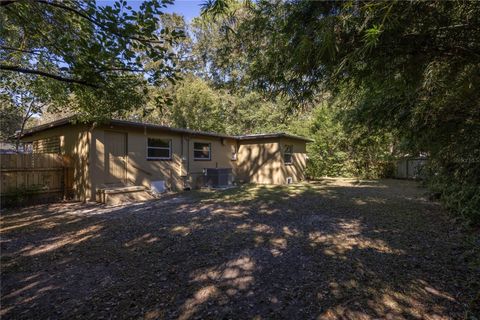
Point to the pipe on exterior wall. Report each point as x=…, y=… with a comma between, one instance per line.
x=188, y=155
x=89, y=161
x=183, y=158
x=181, y=145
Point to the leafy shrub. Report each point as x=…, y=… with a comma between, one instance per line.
x=20, y=195
x=458, y=187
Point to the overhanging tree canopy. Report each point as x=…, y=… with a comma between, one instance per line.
x=104, y=55
x=408, y=67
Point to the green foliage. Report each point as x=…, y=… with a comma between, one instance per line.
x=338, y=150
x=410, y=70
x=10, y=121
x=255, y=114
x=328, y=154
x=20, y=195
x=217, y=57
x=457, y=185
x=20, y=99
x=366, y=80
x=215, y=95
x=97, y=59
x=198, y=105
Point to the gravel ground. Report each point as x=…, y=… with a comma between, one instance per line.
x=331, y=249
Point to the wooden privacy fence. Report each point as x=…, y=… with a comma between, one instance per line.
x=32, y=178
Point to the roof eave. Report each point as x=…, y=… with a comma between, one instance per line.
x=170, y=129
x=46, y=126
x=70, y=120
x=272, y=136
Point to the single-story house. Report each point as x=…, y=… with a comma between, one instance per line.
x=130, y=153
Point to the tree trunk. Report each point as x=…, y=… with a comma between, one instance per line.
x=27, y=116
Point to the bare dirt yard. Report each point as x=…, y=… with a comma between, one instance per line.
x=332, y=249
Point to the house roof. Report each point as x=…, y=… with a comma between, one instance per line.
x=71, y=120
x=271, y=135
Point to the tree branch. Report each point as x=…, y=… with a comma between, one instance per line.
x=5, y=3
x=47, y=75
x=123, y=69
x=19, y=50
x=85, y=16
x=95, y=22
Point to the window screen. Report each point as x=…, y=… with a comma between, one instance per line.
x=159, y=148
x=202, y=151
x=287, y=154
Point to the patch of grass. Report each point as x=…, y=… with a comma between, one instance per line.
x=252, y=192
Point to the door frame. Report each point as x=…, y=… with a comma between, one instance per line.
x=106, y=156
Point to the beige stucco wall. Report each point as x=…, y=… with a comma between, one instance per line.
x=140, y=170
x=221, y=157
x=258, y=160
x=179, y=172
x=261, y=161
x=74, y=142
x=296, y=169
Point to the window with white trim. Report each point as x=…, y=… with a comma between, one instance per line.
x=202, y=151
x=288, y=154
x=159, y=149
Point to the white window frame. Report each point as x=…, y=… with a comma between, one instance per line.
x=160, y=148
x=289, y=153
x=209, y=151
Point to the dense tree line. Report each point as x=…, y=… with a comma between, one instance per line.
x=216, y=94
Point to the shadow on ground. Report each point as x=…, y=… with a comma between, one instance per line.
x=332, y=249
